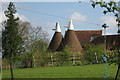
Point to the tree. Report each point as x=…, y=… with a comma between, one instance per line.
x=35, y=42
x=38, y=43
x=24, y=28
x=111, y=7
x=11, y=39
x=64, y=56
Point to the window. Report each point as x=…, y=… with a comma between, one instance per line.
x=92, y=37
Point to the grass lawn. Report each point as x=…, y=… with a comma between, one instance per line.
x=85, y=71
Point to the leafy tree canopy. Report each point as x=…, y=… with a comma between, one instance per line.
x=110, y=7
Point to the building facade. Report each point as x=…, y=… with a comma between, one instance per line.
x=76, y=40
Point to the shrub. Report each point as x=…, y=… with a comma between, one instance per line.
x=90, y=50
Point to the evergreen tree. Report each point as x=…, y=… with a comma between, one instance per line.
x=11, y=39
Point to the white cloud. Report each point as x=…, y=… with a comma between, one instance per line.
x=111, y=21
x=78, y=17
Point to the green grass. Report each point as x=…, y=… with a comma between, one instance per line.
x=85, y=71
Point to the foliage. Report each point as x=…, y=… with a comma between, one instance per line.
x=38, y=41
x=34, y=38
x=39, y=44
x=41, y=59
x=64, y=56
x=113, y=57
x=35, y=42
x=25, y=31
x=45, y=59
x=111, y=7
x=5, y=61
x=90, y=50
x=12, y=41
x=115, y=9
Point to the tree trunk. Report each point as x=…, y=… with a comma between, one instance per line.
x=118, y=65
x=11, y=69
x=31, y=63
x=117, y=71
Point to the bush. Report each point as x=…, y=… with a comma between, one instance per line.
x=61, y=58
x=113, y=57
x=90, y=50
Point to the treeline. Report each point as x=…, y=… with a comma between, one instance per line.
x=20, y=40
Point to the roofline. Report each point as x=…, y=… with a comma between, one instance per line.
x=86, y=30
x=112, y=35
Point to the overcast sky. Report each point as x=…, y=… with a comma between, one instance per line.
x=46, y=14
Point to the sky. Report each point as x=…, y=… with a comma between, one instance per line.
x=46, y=14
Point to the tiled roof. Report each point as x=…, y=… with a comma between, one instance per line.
x=112, y=41
x=55, y=42
x=84, y=37
x=72, y=41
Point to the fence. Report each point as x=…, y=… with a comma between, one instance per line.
x=45, y=61
x=56, y=61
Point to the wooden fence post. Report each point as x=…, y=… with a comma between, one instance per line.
x=33, y=61
x=51, y=60
x=96, y=59
x=73, y=60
